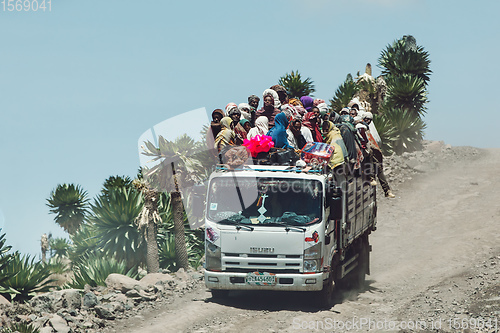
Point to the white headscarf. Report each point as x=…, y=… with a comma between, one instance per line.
x=245, y=110
x=276, y=98
x=261, y=127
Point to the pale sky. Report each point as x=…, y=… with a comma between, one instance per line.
x=80, y=84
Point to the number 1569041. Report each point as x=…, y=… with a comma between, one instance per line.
x=26, y=5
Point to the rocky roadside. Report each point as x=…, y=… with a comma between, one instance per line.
x=433, y=156
x=92, y=309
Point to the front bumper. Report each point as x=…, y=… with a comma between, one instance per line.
x=285, y=282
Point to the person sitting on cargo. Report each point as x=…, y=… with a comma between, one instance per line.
x=278, y=132
x=334, y=138
x=253, y=101
x=213, y=130
x=348, y=132
x=310, y=121
x=334, y=117
x=344, y=111
x=239, y=131
x=246, y=125
x=271, y=106
x=226, y=136
x=260, y=128
x=353, y=112
x=294, y=134
x=245, y=110
x=282, y=94
x=297, y=105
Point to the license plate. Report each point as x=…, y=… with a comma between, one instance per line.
x=261, y=279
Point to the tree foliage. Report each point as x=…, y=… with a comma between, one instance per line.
x=70, y=203
x=113, y=217
x=344, y=93
x=295, y=86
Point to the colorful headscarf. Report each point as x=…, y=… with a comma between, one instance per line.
x=334, y=138
x=229, y=107
x=313, y=126
x=243, y=121
x=294, y=102
x=307, y=102
x=226, y=136
x=318, y=101
x=278, y=132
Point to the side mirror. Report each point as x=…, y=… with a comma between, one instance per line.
x=335, y=201
x=198, y=202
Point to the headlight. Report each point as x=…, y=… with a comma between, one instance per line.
x=312, y=257
x=212, y=257
x=310, y=265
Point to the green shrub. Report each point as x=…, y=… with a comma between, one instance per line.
x=27, y=277
x=95, y=268
x=21, y=328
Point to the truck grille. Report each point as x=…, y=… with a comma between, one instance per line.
x=251, y=262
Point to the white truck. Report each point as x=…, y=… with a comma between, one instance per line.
x=287, y=228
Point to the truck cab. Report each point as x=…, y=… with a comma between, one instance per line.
x=286, y=228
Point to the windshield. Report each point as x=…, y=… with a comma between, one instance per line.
x=265, y=201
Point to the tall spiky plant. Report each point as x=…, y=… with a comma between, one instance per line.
x=113, y=217
x=406, y=130
x=295, y=86
x=70, y=204
x=406, y=92
x=403, y=56
x=344, y=93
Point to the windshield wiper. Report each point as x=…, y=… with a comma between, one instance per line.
x=240, y=226
x=287, y=227
x=237, y=224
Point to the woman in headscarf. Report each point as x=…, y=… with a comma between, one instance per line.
x=214, y=129
x=271, y=106
x=307, y=102
x=260, y=128
x=246, y=125
x=245, y=110
x=229, y=107
x=334, y=139
x=278, y=132
x=294, y=134
x=239, y=131
x=226, y=135
x=311, y=122
x=215, y=126
x=282, y=94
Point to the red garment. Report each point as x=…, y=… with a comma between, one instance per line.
x=269, y=113
x=313, y=126
x=240, y=133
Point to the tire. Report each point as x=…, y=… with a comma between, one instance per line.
x=359, y=277
x=326, y=295
x=219, y=293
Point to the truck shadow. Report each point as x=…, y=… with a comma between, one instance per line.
x=287, y=300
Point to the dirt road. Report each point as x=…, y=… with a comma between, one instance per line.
x=434, y=267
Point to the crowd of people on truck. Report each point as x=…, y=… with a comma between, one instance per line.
x=293, y=122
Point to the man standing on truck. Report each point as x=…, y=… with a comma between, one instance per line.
x=377, y=157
